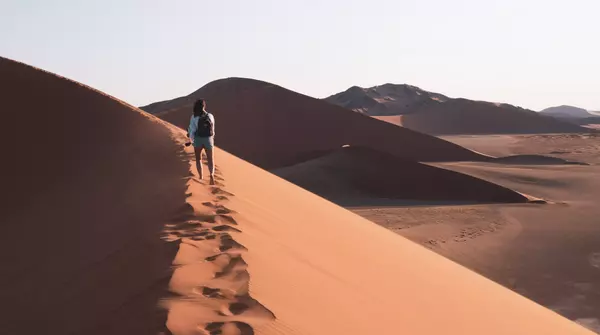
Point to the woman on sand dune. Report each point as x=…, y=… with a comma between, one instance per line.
x=202, y=135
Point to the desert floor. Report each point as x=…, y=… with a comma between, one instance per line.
x=549, y=253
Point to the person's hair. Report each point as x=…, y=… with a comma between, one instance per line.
x=199, y=107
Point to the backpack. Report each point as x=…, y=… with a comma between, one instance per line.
x=205, y=126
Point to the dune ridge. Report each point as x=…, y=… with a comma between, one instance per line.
x=210, y=283
x=273, y=127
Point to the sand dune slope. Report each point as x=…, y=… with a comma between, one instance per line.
x=358, y=176
x=87, y=183
x=567, y=112
x=462, y=116
x=436, y=114
x=315, y=268
x=274, y=127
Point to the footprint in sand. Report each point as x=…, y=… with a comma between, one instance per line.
x=189, y=229
x=233, y=264
x=219, y=256
x=234, y=308
x=247, y=307
x=228, y=243
x=231, y=268
x=209, y=218
x=227, y=219
x=220, y=209
x=223, y=228
x=208, y=292
x=184, y=225
x=220, y=191
x=228, y=328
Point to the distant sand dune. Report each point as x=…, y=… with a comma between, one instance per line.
x=535, y=160
x=273, y=127
x=462, y=116
x=355, y=175
x=436, y=114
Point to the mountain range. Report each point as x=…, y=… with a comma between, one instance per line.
x=437, y=114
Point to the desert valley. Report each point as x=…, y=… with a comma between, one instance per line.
x=383, y=210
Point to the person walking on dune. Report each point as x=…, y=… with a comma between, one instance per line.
x=202, y=135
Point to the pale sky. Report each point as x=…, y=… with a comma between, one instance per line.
x=531, y=53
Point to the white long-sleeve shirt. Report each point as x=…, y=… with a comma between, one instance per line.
x=194, y=125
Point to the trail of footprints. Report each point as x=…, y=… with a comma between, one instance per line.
x=213, y=233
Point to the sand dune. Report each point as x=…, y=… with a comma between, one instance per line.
x=462, y=116
x=551, y=259
x=436, y=114
x=361, y=176
x=546, y=253
x=582, y=148
x=322, y=270
x=99, y=217
x=273, y=127
x=87, y=183
x=567, y=112
x=574, y=115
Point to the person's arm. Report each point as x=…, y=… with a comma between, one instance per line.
x=212, y=117
x=192, y=129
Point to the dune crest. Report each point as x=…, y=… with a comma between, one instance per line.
x=211, y=282
x=273, y=127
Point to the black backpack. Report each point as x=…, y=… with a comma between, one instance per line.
x=205, y=126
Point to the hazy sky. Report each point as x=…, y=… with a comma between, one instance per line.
x=532, y=53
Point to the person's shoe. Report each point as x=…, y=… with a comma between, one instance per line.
x=212, y=180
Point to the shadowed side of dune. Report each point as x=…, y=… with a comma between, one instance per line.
x=87, y=184
x=363, y=176
x=535, y=160
x=271, y=126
